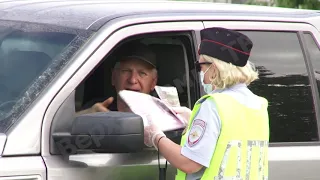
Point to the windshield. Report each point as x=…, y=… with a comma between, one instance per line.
x=30, y=56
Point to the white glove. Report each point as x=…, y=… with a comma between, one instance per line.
x=150, y=133
x=183, y=112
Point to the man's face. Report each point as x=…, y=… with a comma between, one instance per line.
x=135, y=75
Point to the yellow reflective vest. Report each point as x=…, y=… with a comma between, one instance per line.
x=242, y=148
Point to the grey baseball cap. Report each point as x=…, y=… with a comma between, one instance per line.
x=138, y=50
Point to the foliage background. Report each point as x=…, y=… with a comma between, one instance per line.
x=297, y=4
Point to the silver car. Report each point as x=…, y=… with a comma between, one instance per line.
x=55, y=59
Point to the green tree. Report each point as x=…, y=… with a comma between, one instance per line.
x=311, y=4
x=303, y=4
x=288, y=3
x=253, y=2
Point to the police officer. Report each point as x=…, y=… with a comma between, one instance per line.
x=227, y=134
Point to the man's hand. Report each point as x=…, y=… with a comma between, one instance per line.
x=98, y=107
x=102, y=106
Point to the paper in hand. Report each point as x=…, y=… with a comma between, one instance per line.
x=146, y=105
x=169, y=95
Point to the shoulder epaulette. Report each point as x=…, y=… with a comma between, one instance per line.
x=201, y=100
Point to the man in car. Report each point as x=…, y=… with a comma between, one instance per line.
x=135, y=70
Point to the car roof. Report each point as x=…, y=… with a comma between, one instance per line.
x=81, y=14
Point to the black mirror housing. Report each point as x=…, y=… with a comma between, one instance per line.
x=103, y=132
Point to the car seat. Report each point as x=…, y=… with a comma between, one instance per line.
x=171, y=68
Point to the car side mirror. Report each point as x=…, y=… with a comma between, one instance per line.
x=103, y=132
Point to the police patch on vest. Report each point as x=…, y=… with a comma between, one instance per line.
x=196, y=132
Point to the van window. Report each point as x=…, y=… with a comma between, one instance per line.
x=284, y=82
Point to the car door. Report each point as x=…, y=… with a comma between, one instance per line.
x=287, y=80
x=140, y=165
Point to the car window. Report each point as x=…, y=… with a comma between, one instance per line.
x=30, y=56
x=284, y=82
x=314, y=52
x=173, y=54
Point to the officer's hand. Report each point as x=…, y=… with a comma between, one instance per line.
x=150, y=132
x=184, y=112
x=103, y=106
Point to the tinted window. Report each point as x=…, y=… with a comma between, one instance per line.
x=30, y=56
x=314, y=56
x=284, y=82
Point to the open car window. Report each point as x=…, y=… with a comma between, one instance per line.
x=175, y=57
x=30, y=57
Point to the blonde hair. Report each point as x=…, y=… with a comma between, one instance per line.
x=227, y=74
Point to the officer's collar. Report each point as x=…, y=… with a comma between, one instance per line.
x=236, y=86
x=217, y=91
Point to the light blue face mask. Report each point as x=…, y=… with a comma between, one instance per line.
x=206, y=87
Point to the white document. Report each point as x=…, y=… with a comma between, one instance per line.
x=169, y=95
x=146, y=105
